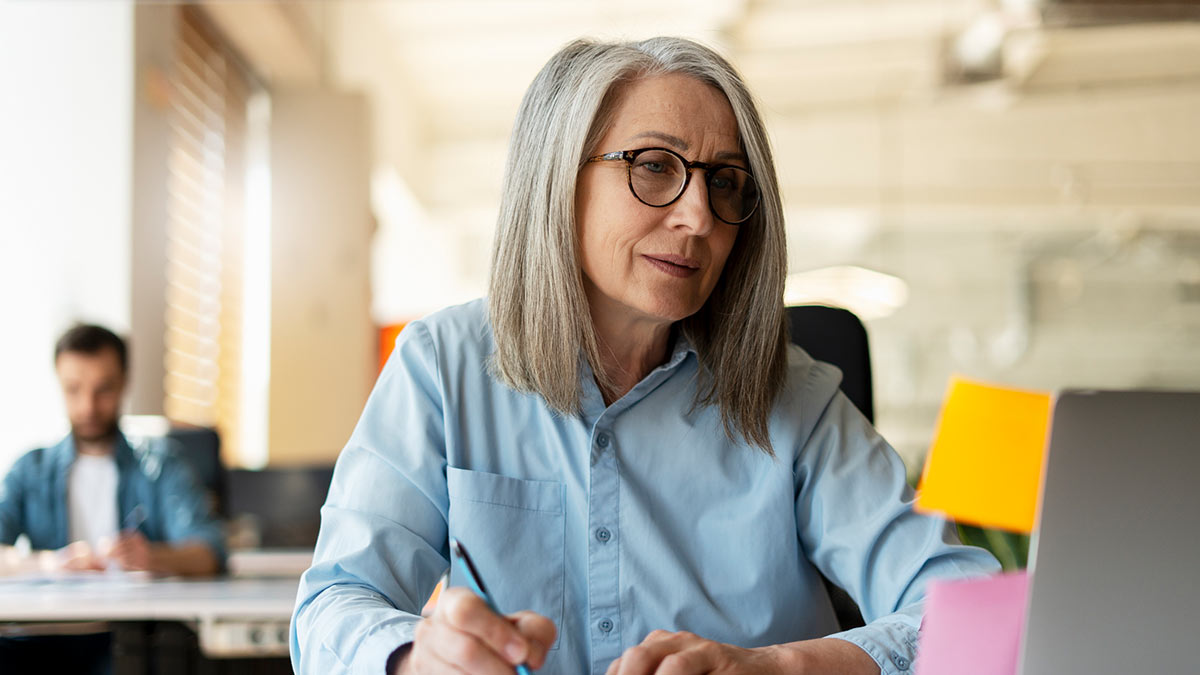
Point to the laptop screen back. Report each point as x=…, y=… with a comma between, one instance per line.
x=1116, y=565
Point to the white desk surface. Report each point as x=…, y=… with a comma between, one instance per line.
x=132, y=598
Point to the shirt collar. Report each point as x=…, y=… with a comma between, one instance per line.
x=64, y=453
x=593, y=402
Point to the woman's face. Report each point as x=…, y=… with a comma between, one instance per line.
x=644, y=264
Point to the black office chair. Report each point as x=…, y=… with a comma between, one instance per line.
x=200, y=448
x=283, y=503
x=837, y=336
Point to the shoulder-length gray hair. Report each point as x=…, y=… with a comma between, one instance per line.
x=539, y=312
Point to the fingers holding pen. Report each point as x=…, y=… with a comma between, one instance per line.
x=468, y=613
x=132, y=551
x=437, y=648
x=463, y=634
x=540, y=633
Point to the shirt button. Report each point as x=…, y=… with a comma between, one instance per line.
x=605, y=625
x=901, y=662
x=603, y=535
x=602, y=440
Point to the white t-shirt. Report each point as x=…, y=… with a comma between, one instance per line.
x=92, y=499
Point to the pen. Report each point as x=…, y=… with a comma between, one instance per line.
x=136, y=517
x=459, y=553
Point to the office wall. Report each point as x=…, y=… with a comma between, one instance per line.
x=153, y=40
x=1050, y=238
x=322, y=337
x=65, y=186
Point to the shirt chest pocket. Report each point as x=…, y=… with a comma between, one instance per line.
x=514, y=530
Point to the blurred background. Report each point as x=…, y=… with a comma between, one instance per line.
x=259, y=194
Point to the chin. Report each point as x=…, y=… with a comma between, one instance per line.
x=673, y=311
x=92, y=434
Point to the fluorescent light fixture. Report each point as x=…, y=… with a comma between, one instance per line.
x=867, y=293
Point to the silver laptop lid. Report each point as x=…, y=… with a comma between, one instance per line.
x=1116, y=565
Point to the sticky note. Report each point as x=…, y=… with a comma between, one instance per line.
x=973, y=626
x=985, y=464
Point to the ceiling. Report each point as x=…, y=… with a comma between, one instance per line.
x=874, y=105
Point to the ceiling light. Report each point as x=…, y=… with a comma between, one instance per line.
x=867, y=293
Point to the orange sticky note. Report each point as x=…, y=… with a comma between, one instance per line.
x=985, y=465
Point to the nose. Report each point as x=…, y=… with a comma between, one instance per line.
x=691, y=210
x=88, y=404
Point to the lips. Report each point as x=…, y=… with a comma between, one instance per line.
x=676, y=260
x=674, y=265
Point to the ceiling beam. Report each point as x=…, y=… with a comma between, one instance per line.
x=275, y=39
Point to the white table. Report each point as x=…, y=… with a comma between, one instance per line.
x=232, y=617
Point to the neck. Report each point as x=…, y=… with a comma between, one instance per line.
x=629, y=350
x=94, y=446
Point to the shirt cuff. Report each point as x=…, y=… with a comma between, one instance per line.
x=377, y=647
x=891, y=641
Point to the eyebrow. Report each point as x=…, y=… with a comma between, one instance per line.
x=681, y=144
x=676, y=141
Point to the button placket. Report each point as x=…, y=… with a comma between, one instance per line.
x=603, y=553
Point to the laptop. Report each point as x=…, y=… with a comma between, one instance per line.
x=1116, y=563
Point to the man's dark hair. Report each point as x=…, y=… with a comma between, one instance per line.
x=92, y=339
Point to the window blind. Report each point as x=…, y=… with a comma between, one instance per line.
x=205, y=172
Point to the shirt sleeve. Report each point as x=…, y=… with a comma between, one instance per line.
x=187, y=515
x=12, y=504
x=382, y=544
x=857, y=525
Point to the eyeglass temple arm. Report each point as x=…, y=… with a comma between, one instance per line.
x=609, y=156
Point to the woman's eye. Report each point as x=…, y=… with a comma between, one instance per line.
x=719, y=183
x=653, y=167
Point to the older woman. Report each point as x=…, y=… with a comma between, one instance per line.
x=621, y=434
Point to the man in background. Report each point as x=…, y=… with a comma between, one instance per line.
x=93, y=502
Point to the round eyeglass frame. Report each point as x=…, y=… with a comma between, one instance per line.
x=709, y=169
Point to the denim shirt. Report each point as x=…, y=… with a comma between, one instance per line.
x=33, y=496
x=617, y=521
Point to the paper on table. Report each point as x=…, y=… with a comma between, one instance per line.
x=107, y=578
x=973, y=626
x=985, y=465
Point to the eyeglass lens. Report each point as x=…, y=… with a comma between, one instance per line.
x=658, y=177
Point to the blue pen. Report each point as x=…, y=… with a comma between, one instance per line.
x=476, y=583
x=134, y=520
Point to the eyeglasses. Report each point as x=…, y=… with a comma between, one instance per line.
x=658, y=177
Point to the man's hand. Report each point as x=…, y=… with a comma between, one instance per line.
x=464, y=636
x=78, y=556
x=663, y=653
x=132, y=551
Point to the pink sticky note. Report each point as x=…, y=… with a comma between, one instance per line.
x=973, y=626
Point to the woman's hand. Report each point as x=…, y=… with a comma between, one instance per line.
x=464, y=636
x=684, y=653
x=663, y=653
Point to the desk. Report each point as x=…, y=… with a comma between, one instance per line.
x=231, y=617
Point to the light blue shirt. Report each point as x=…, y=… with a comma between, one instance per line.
x=615, y=522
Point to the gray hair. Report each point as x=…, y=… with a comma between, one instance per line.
x=539, y=312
